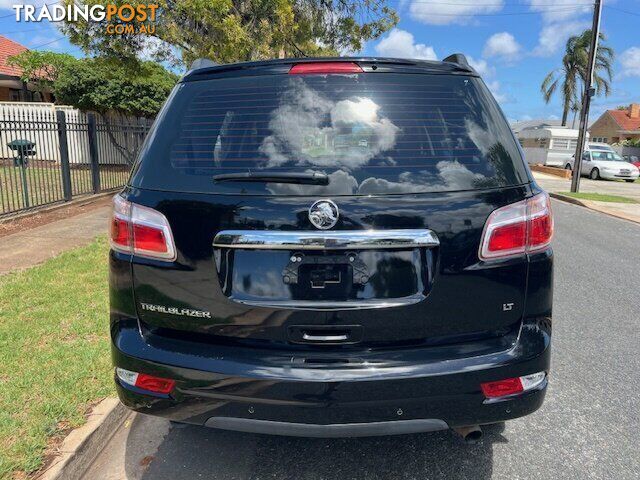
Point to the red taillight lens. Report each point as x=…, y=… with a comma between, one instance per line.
x=154, y=384
x=508, y=237
x=120, y=234
x=324, y=68
x=121, y=225
x=141, y=231
x=145, y=381
x=521, y=227
x=512, y=386
x=540, y=229
x=149, y=239
x=502, y=388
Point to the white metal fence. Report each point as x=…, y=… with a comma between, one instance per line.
x=117, y=130
x=50, y=154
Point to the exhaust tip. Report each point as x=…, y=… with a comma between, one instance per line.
x=471, y=434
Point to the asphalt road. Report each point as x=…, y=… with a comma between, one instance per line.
x=589, y=426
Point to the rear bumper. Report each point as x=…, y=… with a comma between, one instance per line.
x=616, y=176
x=382, y=393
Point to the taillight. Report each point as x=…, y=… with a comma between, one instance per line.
x=502, y=388
x=141, y=231
x=145, y=381
x=512, y=386
x=522, y=227
x=324, y=68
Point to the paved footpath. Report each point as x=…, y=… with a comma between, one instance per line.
x=33, y=246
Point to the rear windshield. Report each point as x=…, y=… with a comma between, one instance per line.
x=370, y=133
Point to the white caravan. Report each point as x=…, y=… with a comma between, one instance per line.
x=550, y=146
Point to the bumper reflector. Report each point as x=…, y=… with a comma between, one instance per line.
x=145, y=382
x=512, y=386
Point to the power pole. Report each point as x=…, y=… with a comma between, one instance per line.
x=589, y=92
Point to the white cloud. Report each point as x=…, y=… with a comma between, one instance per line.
x=559, y=21
x=500, y=97
x=453, y=11
x=560, y=10
x=630, y=60
x=481, y=66
x=400, y=43
x=502, y=45
x=487, y=72
x=555, y=35
x=300, y=134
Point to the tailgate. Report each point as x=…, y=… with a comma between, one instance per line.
x=394, y=269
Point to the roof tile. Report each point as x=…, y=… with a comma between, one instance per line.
x=623, y=119
x=9, y=48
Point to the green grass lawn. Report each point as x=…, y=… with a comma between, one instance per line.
x=600, y=197
x=54, y=352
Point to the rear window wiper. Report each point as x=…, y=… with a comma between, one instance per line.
x=271, y=177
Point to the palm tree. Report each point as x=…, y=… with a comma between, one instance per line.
x=572, y=76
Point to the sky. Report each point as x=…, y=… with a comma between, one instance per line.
x=513, y=44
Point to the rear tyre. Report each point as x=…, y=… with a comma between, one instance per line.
x=595, y=174
x=628, y=180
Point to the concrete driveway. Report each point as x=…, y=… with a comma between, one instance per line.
x=587, y=428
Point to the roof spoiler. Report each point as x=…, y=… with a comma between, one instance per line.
x=202, y=63
x=458, y=58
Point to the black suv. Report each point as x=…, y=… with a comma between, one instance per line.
x=332, y=247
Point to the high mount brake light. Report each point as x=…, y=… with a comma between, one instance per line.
x=141, y=231
x=324, y=68
x=518, y=228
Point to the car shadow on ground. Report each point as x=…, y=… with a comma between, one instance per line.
x=188, y=452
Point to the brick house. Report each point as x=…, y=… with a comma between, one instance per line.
x=616, y=126
x=12, y=88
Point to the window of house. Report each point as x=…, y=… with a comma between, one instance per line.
x=14, y=95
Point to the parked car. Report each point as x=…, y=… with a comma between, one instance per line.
x=632, y=159
x=271, y=272
x=599, y=160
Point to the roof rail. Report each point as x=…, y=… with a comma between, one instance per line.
x=202, y=63
x=458, y=58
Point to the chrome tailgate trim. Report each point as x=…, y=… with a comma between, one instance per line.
x=335, y=240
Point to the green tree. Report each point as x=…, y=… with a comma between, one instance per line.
x=103, y=86
x=41, y=68
x=98, y=84
x=237, y=30
x=571, y=78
